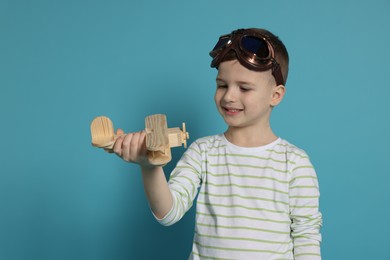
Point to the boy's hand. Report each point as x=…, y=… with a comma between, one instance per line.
x=131, y=147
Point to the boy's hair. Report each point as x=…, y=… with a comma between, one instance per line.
x=281, y=54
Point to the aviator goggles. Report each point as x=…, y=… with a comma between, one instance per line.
x=253, y=50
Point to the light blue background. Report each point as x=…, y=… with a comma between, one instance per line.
x=64, y=62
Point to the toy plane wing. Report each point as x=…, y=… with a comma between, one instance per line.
x=157, y=140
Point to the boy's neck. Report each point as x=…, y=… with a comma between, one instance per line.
x=250, y=137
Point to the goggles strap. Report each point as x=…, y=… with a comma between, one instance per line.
x=277, y=73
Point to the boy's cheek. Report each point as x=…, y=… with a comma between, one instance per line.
x=217, y=98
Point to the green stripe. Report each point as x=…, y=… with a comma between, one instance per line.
x=175, y=171
x=248, y=166
x=216, y=147
x=219, y=258
x=196, y=151
x=284, y=145
x=180, y=200
x=307, y=217
x=301, y=236
x=200, y=143
x=304, y=197
x=251, y=156
x=244, y=217
x=211, y=144
x=210, y=257
x=304, y=187
x=184, y=187
x=244, y=207
x=175, y=174
x=303, y=177
x=246, y=187
x=303, y=167
x=186, y=155
x=287, y=152
x=316, y=223
x=303, y=207
x=306, y=245
x=244, y=197
x=244, y=239
x=208, y=142
x=247, y=176
x=314, y=254
x=242, y=249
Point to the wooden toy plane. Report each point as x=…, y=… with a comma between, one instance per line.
x=159, y=138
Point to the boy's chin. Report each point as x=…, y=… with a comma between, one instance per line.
x=233, y=125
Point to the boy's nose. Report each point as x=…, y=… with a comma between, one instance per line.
x=230, y=95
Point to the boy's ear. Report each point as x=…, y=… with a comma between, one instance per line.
x=277, y=95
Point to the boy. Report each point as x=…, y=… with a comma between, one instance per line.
x=257, y=194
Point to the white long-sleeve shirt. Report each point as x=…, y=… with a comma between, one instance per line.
x=253, y=203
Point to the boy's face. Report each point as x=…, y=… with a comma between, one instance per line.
x=244, y=97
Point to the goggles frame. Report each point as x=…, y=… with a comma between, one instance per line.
x=248, y=58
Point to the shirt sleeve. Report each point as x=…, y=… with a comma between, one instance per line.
x=304, y=211
x=184, y=183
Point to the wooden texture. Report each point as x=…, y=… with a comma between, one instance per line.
x=178, y=137
x=159, y=138
x=157, y=141
x=102, y=132
x=156, y=133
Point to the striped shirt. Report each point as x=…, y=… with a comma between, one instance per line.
x=252, y=203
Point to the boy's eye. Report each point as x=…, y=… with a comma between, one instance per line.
x=221, y=86
x=244, y=89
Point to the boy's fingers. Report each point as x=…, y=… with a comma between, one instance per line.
x=142, y=143
x=130, y=147
x=119, y=131
x=134, y=147
x=127, y=139
x=118, y=145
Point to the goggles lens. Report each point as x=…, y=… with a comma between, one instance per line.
x=249, y=44
x=256, y=46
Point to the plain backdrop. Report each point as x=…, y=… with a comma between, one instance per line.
x=62, y=63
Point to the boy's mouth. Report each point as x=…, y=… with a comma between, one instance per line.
x=231, y=111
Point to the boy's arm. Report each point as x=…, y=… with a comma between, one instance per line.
x=157, y=190
x=132, y=148
x=304, y=210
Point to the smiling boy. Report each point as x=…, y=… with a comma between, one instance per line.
x=258, y=194
x=245, y=99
